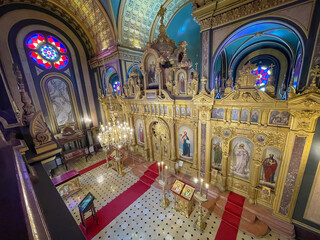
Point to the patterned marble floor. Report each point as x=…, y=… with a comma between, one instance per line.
x=144, y=219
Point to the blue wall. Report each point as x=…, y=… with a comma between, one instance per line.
x=184, y=28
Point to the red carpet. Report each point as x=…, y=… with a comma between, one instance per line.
x=83, y=171
x=119, y=204
x=229, y=225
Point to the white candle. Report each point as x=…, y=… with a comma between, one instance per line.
x=162, y=170
x=159, y=168
x=201, y=180
x=207, y=187
x=166, y=173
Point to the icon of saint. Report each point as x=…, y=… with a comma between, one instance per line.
x=242, y=159
x=185, y=145
x=269, y=168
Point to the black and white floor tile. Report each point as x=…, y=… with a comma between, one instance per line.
x=145, y=219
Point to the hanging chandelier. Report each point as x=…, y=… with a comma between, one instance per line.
x=115, y=135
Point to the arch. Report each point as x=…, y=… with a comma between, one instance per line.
x=48, y=101
x=241, y=156
x=159, y=134
x=260, y=33
x=15, y=18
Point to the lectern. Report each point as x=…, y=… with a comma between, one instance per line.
x=87, y=205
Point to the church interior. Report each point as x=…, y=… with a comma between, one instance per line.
x=160, y=119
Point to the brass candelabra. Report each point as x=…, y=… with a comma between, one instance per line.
x=115, y=135
x=201, y=198
x=163, y=180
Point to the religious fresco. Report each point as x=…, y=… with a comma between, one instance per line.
x=182, y=82
x=140, y=131
x=188, y=111
x=241, y=156
x=183, y=111
x=244, y=115
x=216, y=153
x=279, y=118
x=58, y=93
x=185, y=138
x=177, y=111
x=270, y=166
x=255, y=116
x=235, y=114
x=217, y=113
x=151, y=70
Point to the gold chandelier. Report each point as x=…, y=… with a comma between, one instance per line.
x=115, y=135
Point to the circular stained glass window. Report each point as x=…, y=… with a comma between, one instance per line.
x=49, y=52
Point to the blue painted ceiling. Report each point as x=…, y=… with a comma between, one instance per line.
x=261, y=32
x=184, y=28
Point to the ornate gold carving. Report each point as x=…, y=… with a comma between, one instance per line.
x=222, y=15
x=246, y=78
x=39, y=131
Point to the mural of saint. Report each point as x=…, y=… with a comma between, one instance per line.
x=216, y=153
x=61, y=101
x=182, y=83
x=241, y=156
x=235, y=115
x=188, y=111
x=140, y=132
x=217, y=113
x=279, y=118
x=151, y=70
x=269, y=168
x=183, y=111
x=244, y=115
x=186, y=145
x=255, y=116
x=177, y=111
x=185, y=138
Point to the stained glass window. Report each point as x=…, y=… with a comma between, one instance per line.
x=116, y=87
x=262, y=74
x=47, y=51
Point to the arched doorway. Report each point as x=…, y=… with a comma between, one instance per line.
x=160, y=140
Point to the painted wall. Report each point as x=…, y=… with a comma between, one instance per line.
x=307, y=181
x=184, y=28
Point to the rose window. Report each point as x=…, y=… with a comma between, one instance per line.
x=47, y=51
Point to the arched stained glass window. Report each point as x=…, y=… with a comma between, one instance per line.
x=262, y=74
x=47, y=51
x=116, y=87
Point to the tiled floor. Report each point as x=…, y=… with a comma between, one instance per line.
x=144, y=219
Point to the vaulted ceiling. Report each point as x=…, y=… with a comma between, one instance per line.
x=137, y=22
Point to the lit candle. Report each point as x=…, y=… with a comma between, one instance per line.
x=207, y=187
x=159, y=168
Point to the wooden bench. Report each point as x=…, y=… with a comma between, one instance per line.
x=67, y=183
x=73, y=155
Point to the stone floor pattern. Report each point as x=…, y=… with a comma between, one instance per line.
x=145, y=218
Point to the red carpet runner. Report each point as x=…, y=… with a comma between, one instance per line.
x=229, y=225
x=83, y=171
x=120, y=203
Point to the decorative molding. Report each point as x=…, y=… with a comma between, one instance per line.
x=229, y=11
